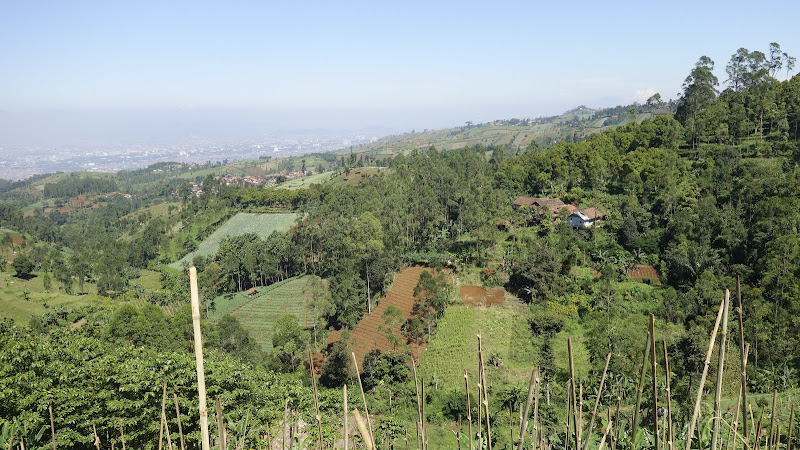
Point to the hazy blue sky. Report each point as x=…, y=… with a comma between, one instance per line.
x=347, y=64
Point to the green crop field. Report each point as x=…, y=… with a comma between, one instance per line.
x=258, y=313
x=505, y=334
x=242, y=223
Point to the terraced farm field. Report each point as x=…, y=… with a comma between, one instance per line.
x=366, y=336
x=242, y=223
x=257, y=313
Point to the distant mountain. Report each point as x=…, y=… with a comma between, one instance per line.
x=516, y=134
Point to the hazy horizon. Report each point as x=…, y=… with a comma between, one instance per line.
x=110, y=72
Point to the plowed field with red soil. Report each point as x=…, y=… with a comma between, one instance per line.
x=643, y=271
x=476, y=295
x=366, y=336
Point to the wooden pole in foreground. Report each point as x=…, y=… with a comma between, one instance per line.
x=52, y=423
x=469, y=407
x=596, y=402
x=699, y=398
x=344, y=403
x=720, y=368
x=180, y=426
x=198, y=355
x=655, y=380
x=362, y=428
x=532, y=386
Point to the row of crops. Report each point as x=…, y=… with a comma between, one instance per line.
x=258, y=312
x=261, y=224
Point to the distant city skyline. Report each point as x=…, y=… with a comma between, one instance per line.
x=142, y=71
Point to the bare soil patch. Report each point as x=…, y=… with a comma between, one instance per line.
x=643, y=271
x=476, y=295
x=366, y=336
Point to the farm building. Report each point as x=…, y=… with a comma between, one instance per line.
x=584, y=219
x=552, y=205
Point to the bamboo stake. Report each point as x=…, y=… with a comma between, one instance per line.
x=419, y=401
x=537, y=425
x=616, y=419
x=469, y=409
x=740, y=407
x=364, y=398
x=791, y=430
x=670, y=428
x=344, y=405
x=285, y=421
x=597, y=402
x=423, y=434
x=771, y=439
x=752, y=430
x=605, y=434
x=178, y=416
x=655, y=384
x=458, y=433
x=720, y=369
x=362, y=428
x=759, y=429
x=485, y=392
x=221, y=424
x=163, y=416
x=96, y=438
x=52, y=423
x=575, y=424
x=316, y=397
x=743, y=355
x=696, y=412
x=480, y=409
x=524, y=423
x=198, y=354
x=635, y=425
x=732, y=429
x=416, y=425
x=580, y=411
x=570, y=414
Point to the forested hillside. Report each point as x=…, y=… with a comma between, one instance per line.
x=682, y=207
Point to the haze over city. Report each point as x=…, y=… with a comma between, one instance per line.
x=155, y=74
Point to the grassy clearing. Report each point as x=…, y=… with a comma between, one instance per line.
x=242, y=223
x=506, y=336
x=258, y=313
x=13, y=303
x=305, y=182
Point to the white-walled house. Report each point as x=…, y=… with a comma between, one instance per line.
x=584, y=219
